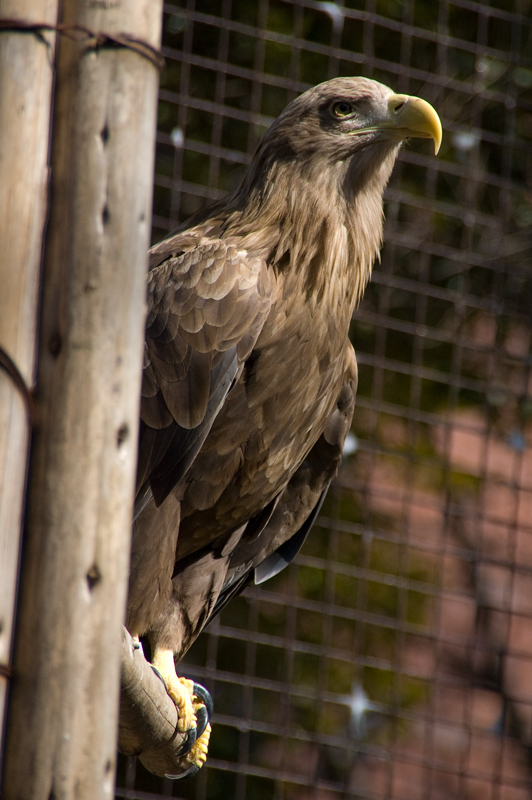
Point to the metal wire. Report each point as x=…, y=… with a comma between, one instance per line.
x=394, y=658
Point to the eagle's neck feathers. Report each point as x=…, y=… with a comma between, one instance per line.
x=318, y=224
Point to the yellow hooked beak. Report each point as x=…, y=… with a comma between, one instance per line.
x=402, y=116
x=411, y=116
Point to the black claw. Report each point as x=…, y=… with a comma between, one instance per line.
x=202, y=694
x=189, y=773
x=189, y=742
x=202, y=720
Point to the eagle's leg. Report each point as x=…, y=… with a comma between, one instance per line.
x=179, y=689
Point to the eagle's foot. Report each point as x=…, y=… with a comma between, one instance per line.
x=194, y=709
x=196, y=757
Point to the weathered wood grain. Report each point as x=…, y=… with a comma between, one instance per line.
x=62, y=721
x=25, y=97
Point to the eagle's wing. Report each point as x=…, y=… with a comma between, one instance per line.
x=260, y=555
x=207, y=301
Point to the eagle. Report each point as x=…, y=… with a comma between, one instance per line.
x=249, y=377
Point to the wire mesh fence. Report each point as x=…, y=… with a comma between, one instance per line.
x=393, y=659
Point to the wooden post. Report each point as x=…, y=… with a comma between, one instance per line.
x=62, y=718
x=26, y=64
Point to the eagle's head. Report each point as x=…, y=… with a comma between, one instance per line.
x=342, y=126
x=321, y=169
x=341, y=117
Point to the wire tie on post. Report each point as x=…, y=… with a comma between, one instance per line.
x=8, y=366
x=81, y=33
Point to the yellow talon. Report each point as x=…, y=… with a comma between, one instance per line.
x=181, y=693
x=197, y=755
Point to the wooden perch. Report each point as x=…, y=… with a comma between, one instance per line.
x=148, y=716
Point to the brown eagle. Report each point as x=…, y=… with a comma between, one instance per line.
x=249, y=376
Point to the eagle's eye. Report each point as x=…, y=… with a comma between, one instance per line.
x=342, y=109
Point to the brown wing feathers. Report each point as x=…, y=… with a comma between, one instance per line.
x=204, y=314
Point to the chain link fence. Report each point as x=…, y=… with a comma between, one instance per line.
x=393, y=659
